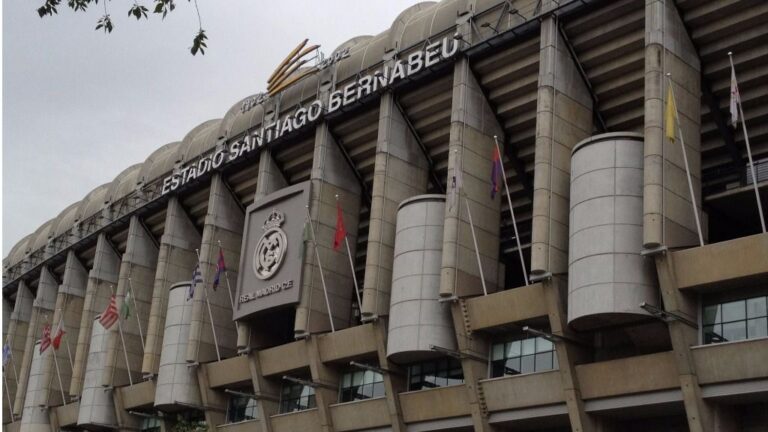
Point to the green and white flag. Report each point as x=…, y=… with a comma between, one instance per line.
x=125, y=309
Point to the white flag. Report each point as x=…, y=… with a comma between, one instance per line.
x=734, y=98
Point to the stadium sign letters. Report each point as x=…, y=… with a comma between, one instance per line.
x=411, y=64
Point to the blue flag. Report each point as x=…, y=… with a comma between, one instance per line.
x=197, y=278
x=6, y=354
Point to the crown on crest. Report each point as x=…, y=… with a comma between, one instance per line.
x=274, y=220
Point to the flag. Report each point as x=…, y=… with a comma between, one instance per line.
x=109, y=317
x=45, y=341
x=221, y=267
x=6, y=354
x=495, y=171
x=669, y=115
x=341, y=232
x=59, y=334
x=734, y=98
x=197, y=278
x=125, y=308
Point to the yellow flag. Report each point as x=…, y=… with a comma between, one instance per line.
x=669, y=115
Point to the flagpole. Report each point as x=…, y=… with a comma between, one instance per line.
x=58, y=375
x=8, y=393
x=208, y=303
x=63, y=326
x=122, y=339
x=477, y=251
x=320, y=266
x=13, y=366
x=749, y=149
x=685, y=160
x=511, y=210
x=229, y=288
x=352, y=267
x=136, y=312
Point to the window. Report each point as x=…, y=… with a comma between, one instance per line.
x=296, y=397
x=736, y=320
x=521, y=356
x=150, y=424
x=436, y=373
x=360, y=385
x=241, y=408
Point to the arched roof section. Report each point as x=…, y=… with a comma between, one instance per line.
x=65, y=220
x=237, y=121
x=158, y=163
x=199, y=140
x=406, y=19
x=362, y=56
x=123, y=184
x=92, y=203
x=353, y=42
x=19, y=250
x=41, y=235
x=299, y=91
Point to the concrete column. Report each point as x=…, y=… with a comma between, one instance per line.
x=18, y=326
x=215, y=401
x=568, y=355
x=563, y=118
x=474, y=369
x=699, y=413
x=327, y=392
x=175, y=263
x=473, y=125
x=42, y=313
x=667, y=211
x=101, y=280
x=269, y=180
x=330, y=176
x=270, y=404
x=400, y=172
x=125, y=421
x=395, y=381
x=223, y=231
x=137, y=273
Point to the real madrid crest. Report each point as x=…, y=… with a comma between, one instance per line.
x=271, y=248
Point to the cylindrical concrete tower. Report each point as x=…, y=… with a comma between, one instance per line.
x=34, y=417
x=417, y=319
x=608, y=279
x=176, y=382
x=97, y=406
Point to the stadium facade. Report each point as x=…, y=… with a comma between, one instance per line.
x=422, y=317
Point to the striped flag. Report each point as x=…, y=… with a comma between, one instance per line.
x=59, y=334
x=495, y=172
x=221, y=267
x=110, y=316
x=45, y=341
x=197, y=278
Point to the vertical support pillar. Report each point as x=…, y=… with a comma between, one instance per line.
x=400, y=172
x=699, y=413
x=18, y=327
x=137, y=273
x=214, y=401
x=42, y=313
x=668, y=216
x=224, y=224
x=473, y=125
x=269, y=180
x=106, y=265
x=327, y=393
x=330, y=176
x=175, y=263
x=563, y=118
x=269, y=405
x=394, y=381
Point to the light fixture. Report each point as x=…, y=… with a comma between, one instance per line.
x=307, y=383
x=456, y=354
x=370, y=368
x=667, y=316
x=553, y=337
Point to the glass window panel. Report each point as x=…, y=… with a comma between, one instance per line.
x=529, y=346
x=711, y=314
x=735, y=331
x=543, y=345
x=497, y=353
x=756, y=307
x=757, y=327
x=734, y=311
x=543, y=361
x=378, y=389
x=497, y=368
x=514, y=349
x=527, y=364
x=512, y=366
x=357, y=378
x=554, y=360
x=428, y=368
x=713, y=334
x=346, y=380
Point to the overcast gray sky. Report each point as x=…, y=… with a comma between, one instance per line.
x=79, y=106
